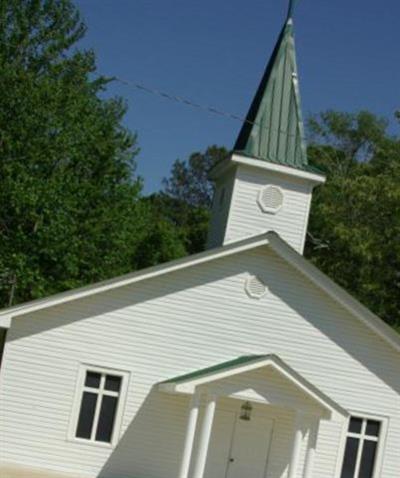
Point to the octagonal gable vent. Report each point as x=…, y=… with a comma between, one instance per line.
x=270, y=199
x=255, y=287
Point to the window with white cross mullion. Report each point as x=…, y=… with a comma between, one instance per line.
x=363, y=440
x=101, y=392
x=99, y=404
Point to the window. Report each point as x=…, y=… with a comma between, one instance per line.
x=362, y=446
x=98, y=405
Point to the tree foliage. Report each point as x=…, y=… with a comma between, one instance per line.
x=187, y=195
x=355, y=219
x=189, y=179
x=70, y=208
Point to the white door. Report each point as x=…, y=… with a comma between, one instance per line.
x=250, y=448
x=220, y=444
x=238, y=448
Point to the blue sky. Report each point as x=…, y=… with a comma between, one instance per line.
x=214, y=52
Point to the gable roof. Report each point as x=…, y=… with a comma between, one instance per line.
x=271, y=239
x=57, y=299
x=333, y=290
x=188, y=382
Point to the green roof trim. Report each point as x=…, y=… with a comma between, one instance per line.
x=244, y=360
x=273, y=130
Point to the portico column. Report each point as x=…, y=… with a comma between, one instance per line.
x=297, y=442
x=311, y=448
x=205, y=435
x=190, y=434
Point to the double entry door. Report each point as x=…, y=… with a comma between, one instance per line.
x=238, y=448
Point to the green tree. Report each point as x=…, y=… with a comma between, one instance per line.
x=189, y=179
x=70, y=207
x=187, y=196
x=354, y=230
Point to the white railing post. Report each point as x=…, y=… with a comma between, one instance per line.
x=190, y=434
x=296, y=448
x=311, y=447
x=205, y=435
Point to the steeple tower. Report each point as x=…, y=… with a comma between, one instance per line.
x=266, y=184
x=273, y=130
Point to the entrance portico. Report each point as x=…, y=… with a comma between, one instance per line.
x=234, y=416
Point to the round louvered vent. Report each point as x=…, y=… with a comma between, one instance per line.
x=270, y=199
x=255, y=287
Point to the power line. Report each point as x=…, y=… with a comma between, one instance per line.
x=187, y=102
x=180, y=99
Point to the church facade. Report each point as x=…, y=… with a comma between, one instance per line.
x=241, y=361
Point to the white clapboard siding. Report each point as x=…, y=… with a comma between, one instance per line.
x=328, y=454
x=247, y=218
x=177, y=323
x=241, y=216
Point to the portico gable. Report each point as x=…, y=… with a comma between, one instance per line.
x=256, y=380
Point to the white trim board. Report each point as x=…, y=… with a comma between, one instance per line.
x=236, y=159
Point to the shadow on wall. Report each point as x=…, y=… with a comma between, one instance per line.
x=285, y=284
x=152, y=445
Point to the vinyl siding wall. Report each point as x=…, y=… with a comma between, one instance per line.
x=246, y=217
x=174, y=324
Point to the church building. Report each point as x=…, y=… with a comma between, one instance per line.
x=243, y=361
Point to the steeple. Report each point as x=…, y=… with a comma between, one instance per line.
x=266, y=183
x=273, y=130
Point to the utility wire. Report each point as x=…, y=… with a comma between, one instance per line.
x=179, y=99
x=187, y=102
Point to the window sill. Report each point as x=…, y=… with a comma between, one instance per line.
x=97, y=444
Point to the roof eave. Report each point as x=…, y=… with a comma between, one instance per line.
x=229, y=249
x=237, y=159
x=336, y=292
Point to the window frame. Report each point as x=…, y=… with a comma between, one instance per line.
x=80, y=388
x=384, y=421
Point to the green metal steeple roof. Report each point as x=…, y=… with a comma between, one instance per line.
x=273, y=130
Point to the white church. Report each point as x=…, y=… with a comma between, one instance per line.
x=244, y=361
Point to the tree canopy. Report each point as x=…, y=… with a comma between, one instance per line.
x=70, y=210
x=355, y=219
x=186, y=198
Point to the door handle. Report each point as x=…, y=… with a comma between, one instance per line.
x=231, y=460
